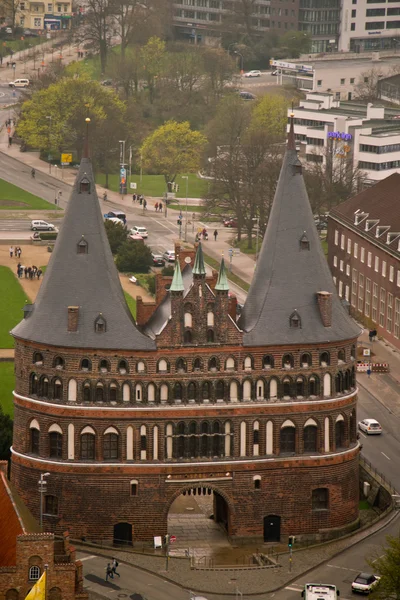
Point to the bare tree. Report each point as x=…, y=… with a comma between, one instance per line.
x=366, y=87
x=10, y=9
x=98, y=28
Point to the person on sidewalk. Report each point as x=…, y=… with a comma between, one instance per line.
x=156, y=206
x=144, y=204
x=160, y=206
x=33, y=173
x=11, y=251
x=109, y=572
x=115, y=564
x=215, y=235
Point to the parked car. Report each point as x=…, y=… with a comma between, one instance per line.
x=169, y=255
x=19, y=83
x=9, y=30
x=107, y=82
x=158, y=260
x=38, y=225
x=364, y=583
x=136, y=237
x=247, y=96
x=370, y=426
x=253, y=74
x=230, y=222
x=30, y=33
x=275, y=72
x=142, y=231
x=116, y=214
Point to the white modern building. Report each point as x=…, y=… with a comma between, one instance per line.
x=366, y=135
x=369, y=25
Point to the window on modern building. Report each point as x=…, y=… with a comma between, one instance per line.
x=354, y=281
x=342, y=241
x=51, y=505
x=352, y=28
x=397, y=318
x=355, y=250
x=341, y=264
x=374, y=313
x=320, y=499
x=342, y=81
x=391, y=273
x=110, y=446
x=389, y=313
x=55, y=444
x=360, y=305
x=369, y=259
x=348, y=270
x=376, y=264
x=383, y=268
x=335, y=261
x=362, y=257
x=353, y=13
x=382, y=307
x=34, y=573
x=134, y=486
x=319, y=82
x=398, y=279
x=87, y=446
x=336, y=237
x=340, y=290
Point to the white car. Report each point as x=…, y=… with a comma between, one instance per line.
x=169, y=255
x=116, y=221
x=253, y=74
x=19, y=83
x=38, y=225
x=370, y=426
x=142, y=231
x=364, y=583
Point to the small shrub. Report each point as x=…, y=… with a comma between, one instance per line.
x=134, y=257
x=48, y=235
x=168, y=271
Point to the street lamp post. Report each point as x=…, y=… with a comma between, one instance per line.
x=49, y=154
x=257, y=219
x=241, y=60
x=186, y=205
x=42, y=489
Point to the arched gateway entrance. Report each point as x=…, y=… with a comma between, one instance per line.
x=199, y=511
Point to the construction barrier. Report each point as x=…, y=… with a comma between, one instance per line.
x=363, y=367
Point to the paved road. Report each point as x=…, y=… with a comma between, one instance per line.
x=7, y=94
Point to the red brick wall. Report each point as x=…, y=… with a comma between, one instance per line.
x=10, y=525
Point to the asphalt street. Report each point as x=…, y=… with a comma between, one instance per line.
x=7, y=94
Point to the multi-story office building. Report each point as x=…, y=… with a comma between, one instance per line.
x=363, y=136
x=49, y=15
x=369, y=25
x=364, y=256
x=321, y=20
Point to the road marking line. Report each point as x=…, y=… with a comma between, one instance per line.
x=163, y=225
x=87, y=557
x=379, y=557
x=386, y=456
x=344, y=568
x=363, y=434
x=294, y=589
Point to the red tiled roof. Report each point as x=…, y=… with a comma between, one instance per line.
x=10, y=525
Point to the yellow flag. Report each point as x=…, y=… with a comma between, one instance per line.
x=38, y=592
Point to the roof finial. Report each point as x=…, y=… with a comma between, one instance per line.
x=198, y=267
x=291, y=143
x=86, y=143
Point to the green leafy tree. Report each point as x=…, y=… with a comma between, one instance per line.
x=134, y=256
x=388, y=567
x=153, y=62
x=270, y=114
x=173, y=148
x=116, y=234
x=6, y=429
x=295, y=43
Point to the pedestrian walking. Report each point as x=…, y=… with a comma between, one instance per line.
x=134, y=197
x=11, y=251
x=115, y=564
x=9, y=141
x=39, y=273
x=215, y=235
x=109, y=572
x=18, y=268
x=29, y=273
x=26, y=272
x=144, y=204
x=156, y=206
x=160, y=207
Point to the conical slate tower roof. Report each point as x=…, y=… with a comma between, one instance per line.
x=82, y=279
x=282, y=304
x=222, y=284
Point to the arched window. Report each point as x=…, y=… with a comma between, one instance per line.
x=320, y=499
x=86, y=392
x=313, y=386
x=33, y=384
x=181, y=365
x=55, y=444
x=143, y=442
x=192, y=440
x=339, y=382
x=58, y=389
x=306, y=360
x=210, y=318
x=103, y=365
x=162, y=366
x=286, y=386
x=287, y=361
x=220, y=390
x=12, y=595
x=213, y=364
x=191, y=391
x=299, y=387
x=59, y=362
x=164, y=392
x=151, y=392
x=256, y=438
x=341, y=357
x=54, y=594
x=138, y=392
x=113, y=392
x=88, y=451
x=123, y=367
x=353, y=353
x=187, y=337
x=140, y=367
x=353, y=426
x=324, y=359
x=346, y=380
x=257, y=482
x=34, y=440
x=197, y=364
x=99, y=392
x=51, y=505
x=288, y=439
x=86, y=364
x=38, y=358
x=230, y=364
x=110, y=445
x=44, y=387
x=34, y=573
x=340, y=433
x=187, y=319
x=217, y=439
x=268, y=362
x=205, y=390
x=248, y=363
x=310, y=436
x=210, y=335
x=177, y=391
x=180, y=440
x=205, y=431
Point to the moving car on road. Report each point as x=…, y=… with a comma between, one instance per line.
x=136, y=230
x=370, y=426
x=38, y=225
x=253, y=74
x=230, y=222
x=158, y=260
x=247, y=96
x=169, y=255
x=116, y=214
x=19, y=83
x=364, y=583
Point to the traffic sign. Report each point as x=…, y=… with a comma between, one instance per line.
x=230, y=251
x=66, y=158
x=172, y=539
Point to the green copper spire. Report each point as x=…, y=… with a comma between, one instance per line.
x=222, y=283
x=199, y=268
x=177, y=281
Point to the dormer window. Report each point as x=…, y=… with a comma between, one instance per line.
x=84, y=186
x=82, y=246
x=304, y=242
x=100, y=324
x=294, y=320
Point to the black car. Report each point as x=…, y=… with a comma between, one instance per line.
x=158, y=260
x=247, y=96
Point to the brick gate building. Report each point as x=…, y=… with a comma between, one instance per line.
x=126, y=417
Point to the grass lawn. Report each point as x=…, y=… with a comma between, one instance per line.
x=364, y=505
x=154, y=185
x=6, y=387
x=11, y=306
x=13, y=197
x=131, y=302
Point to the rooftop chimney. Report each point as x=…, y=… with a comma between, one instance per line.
x=73, y=317
x=325, y=307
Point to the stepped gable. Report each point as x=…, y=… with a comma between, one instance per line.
x=292, y=298
x=81, y=302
